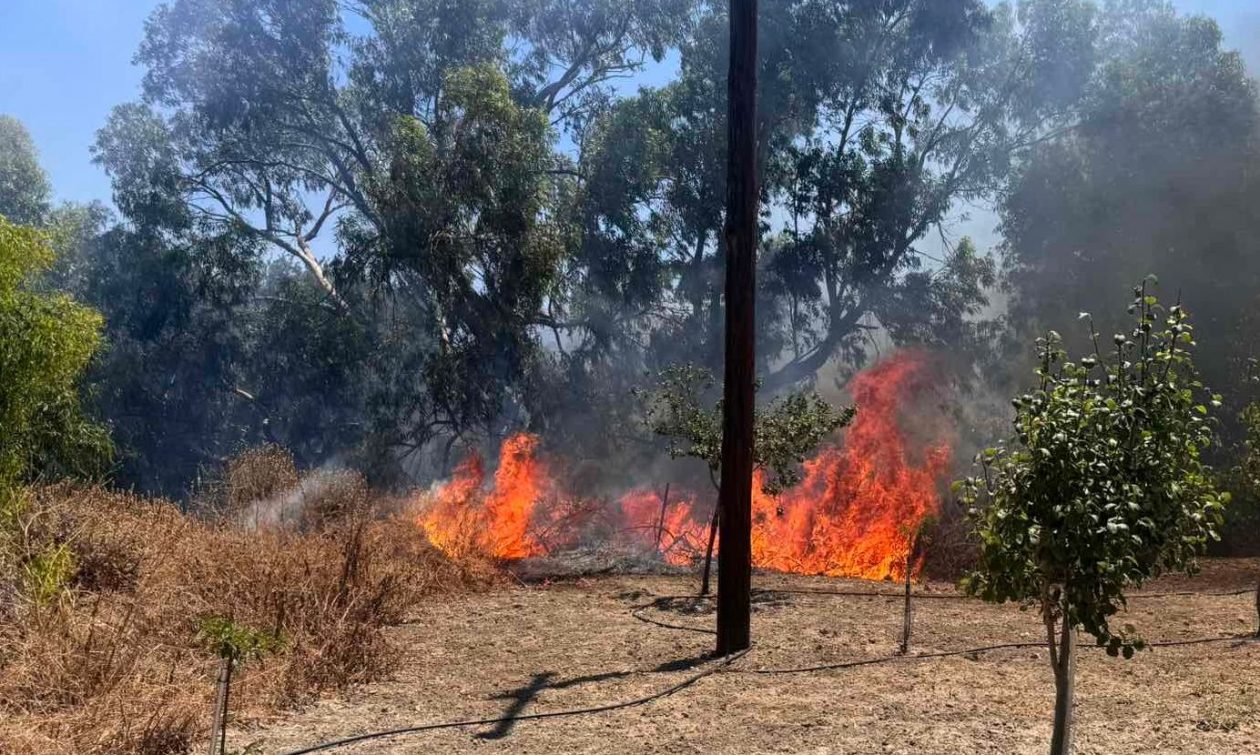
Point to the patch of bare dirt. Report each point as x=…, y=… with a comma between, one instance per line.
x=554, y=646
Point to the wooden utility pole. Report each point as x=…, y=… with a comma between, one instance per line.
x=735, y=496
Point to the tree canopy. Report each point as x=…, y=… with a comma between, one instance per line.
x=24, y=189
x=381, y=230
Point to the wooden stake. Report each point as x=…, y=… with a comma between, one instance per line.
x=708, y=552
x=660, y=526
x=906, y=613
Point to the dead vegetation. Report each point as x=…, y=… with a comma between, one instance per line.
x=102, y=593
x=548, y=647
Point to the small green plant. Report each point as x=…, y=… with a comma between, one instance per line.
x=236, y=642
x=1102, y=488
x=233, y=643
x=47, y=574
x=787, y=429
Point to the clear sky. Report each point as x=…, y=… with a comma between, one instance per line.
x=65, y=63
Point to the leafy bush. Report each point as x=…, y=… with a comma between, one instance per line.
x=46, y=342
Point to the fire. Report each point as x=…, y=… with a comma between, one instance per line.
x=671, y=527
x=500, y=523
x=860, y=505
x=856, y=512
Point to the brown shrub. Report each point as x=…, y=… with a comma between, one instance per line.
x=948, y=549
x=113, y=664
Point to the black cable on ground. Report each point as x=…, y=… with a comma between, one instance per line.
x=888, y=659
x=972, y=651
x=723, y=663
x=1247, y=591
x=957, y=596
x=864, y=594
x=637, y=613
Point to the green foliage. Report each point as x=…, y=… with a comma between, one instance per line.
x=236, y=642
x=24, y=190
x=786, y=431
x=1159, y=176
x=47, y=574
x=1103, y=486
x=1241, y=532
x=384, y=237
x=1250, y=464
x=46, y=343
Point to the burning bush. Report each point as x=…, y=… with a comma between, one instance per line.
x=111, y=661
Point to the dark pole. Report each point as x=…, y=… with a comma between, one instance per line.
x=735, y=496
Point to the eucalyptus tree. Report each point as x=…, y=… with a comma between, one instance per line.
x=877, y=121
x=1158, y=176
x=24, y=189
x=403, y=152
x=924, y=108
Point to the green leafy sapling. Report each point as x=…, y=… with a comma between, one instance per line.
x=1102, y=488
x=786, y=431
x=234, y=644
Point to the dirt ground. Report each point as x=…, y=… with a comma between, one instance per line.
x=554, y=646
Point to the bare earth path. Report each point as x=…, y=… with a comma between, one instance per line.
x=558, y=646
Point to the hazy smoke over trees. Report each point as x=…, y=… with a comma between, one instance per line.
x=382, y=231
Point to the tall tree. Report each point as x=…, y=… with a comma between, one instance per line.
x=739, y=383
x=24, y=189
x=46, y=342
x=1159, y=176
x=425, y=133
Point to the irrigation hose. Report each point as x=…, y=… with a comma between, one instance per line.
x=956, y=596
x=724, y=664
x=721, y=664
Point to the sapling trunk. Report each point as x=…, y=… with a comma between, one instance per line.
x=906, y=613
x=1258, y=608
x=218, y=729
x=1064, y=679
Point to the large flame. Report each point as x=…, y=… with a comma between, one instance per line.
x=860, y=506
x=500, y=523
x=856, y=513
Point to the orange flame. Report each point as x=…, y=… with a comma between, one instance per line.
x=671, y=527
x=499, y=525
x=861, y=504
x=856, y=512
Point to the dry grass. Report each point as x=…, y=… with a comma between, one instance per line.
x=573, y=644
x=108, y=660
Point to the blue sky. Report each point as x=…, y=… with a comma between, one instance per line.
x=65, y=63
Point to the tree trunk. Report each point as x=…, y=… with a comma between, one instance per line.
x=708, y=551
x=1064, y=679
x=735, y=498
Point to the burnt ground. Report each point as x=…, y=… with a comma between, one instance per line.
x=553, y=646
